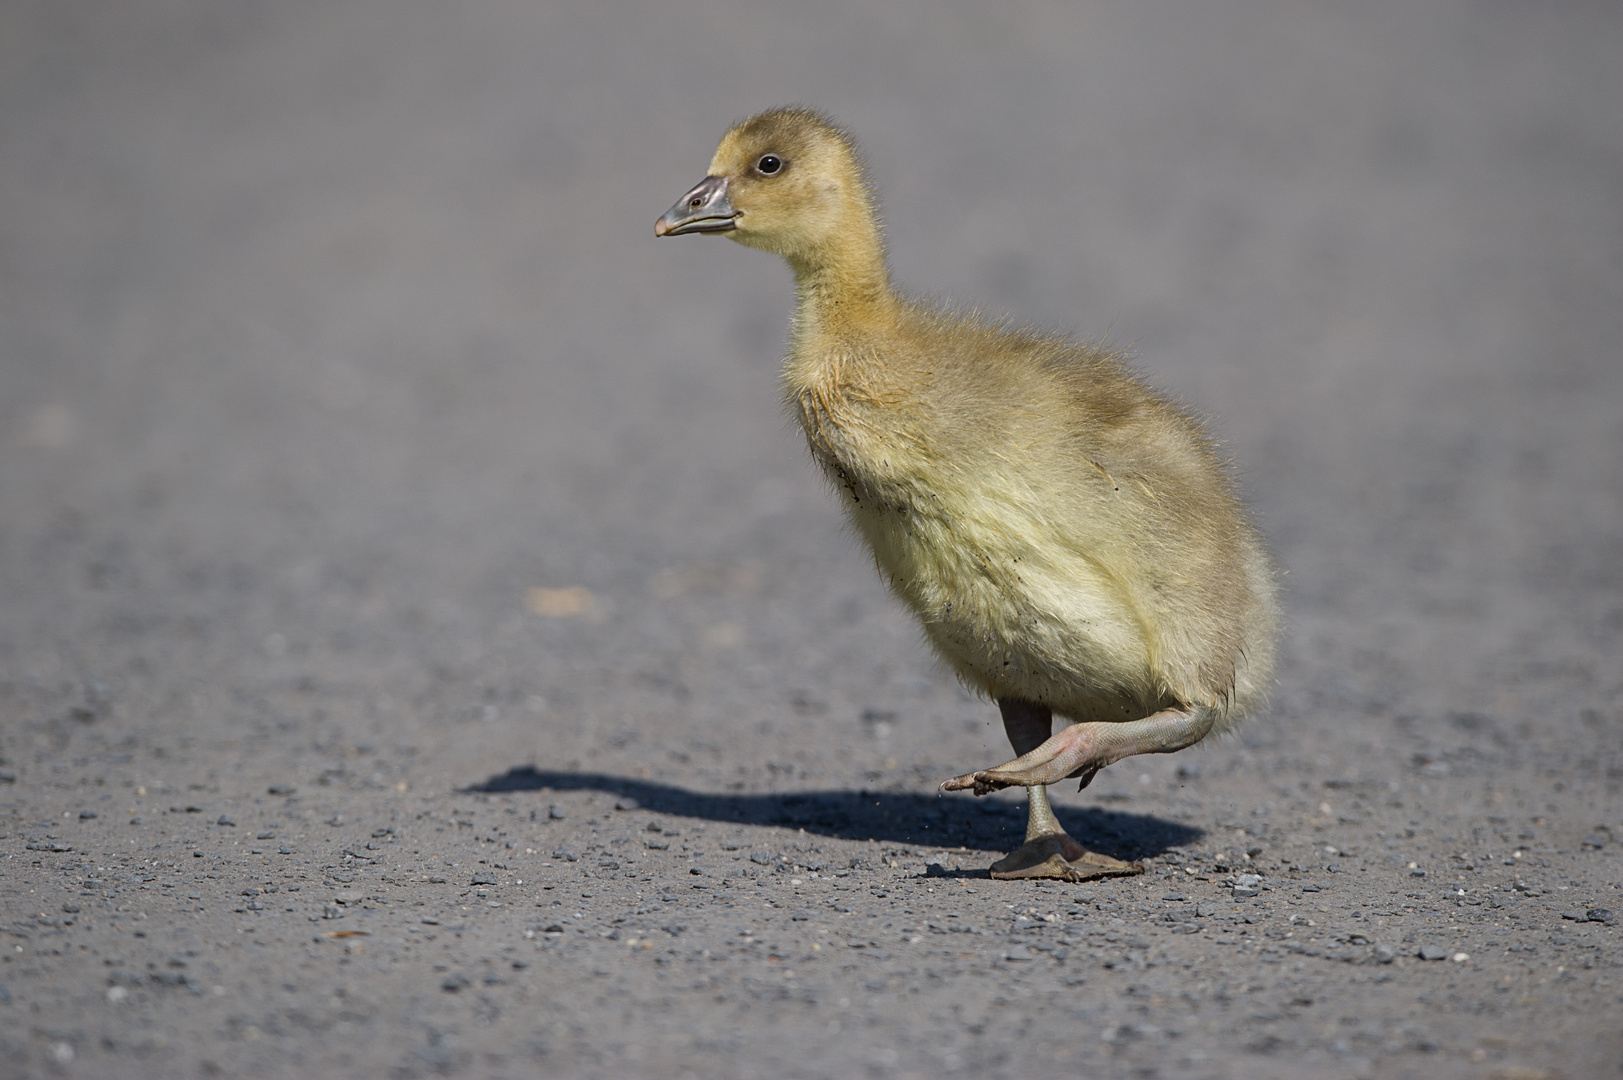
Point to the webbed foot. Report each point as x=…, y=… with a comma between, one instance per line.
x=1058, y=857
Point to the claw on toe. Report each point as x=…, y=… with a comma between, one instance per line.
x=984, y=782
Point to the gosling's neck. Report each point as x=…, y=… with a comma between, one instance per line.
x=843, y=283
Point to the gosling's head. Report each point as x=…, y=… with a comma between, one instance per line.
x=786, y=181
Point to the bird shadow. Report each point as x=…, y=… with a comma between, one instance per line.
x=892, y=817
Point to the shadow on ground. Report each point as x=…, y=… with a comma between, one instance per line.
x=867, y=815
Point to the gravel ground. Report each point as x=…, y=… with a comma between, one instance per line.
x=425, y=650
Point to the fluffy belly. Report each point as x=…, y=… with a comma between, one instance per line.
x=1014, y=611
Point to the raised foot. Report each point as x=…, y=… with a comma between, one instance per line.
x=1059, y=857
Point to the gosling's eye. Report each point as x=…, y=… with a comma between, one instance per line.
x=769, y=165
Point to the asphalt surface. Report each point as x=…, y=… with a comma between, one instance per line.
x=426, y=650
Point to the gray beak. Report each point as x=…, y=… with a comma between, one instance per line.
x=705, y=209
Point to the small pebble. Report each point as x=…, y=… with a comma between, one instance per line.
x=268, y=834
x=1205, y=910
x=223, y=820
x=281, y=789
x=1432, y=952
x=86, y=815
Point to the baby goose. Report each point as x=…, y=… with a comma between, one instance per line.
x=1071, y=543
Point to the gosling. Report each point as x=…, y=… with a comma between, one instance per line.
x=1070, y=542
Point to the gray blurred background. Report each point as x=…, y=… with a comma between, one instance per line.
x=362, y=301
x=329, y=332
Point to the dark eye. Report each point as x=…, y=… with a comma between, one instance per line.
x=769, y=164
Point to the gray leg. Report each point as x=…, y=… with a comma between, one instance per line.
x=1083, y=749
x=1048, y=851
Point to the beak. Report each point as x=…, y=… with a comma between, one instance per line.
x=705, y=209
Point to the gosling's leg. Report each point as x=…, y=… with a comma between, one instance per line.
x=1049, y=852
x=1081, y=750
